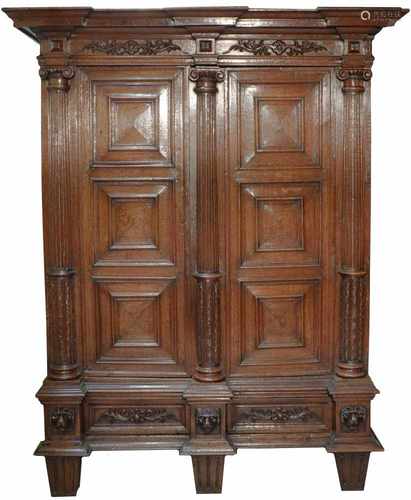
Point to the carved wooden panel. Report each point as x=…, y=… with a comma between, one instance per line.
x=281, y=224
x=127, y=418
x=266, y=417
x=136, y=325
x=280, y=327
x=134, y=118
x=134, y=222
x=276, y=116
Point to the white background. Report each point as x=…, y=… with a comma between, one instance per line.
x=251, y=473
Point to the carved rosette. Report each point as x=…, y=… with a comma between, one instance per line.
x=61, y=335
x=208, y=277
x=354, y=277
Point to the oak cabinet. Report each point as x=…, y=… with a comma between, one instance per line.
x=206, y=194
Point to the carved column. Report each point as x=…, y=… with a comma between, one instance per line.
x=61, y=336
x=354, y=276
x=209, y=367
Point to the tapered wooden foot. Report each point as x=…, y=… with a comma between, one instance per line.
x=208, y=473
x=64, y=475
x=352, y=470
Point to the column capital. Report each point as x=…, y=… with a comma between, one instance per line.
x=58, y=78
x=206, y=79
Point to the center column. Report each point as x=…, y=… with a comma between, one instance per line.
x=208, y=395
x=208, y=327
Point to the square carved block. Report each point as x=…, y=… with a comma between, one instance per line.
x=134, y=222
x=132, y=122
x=136, y=324
x=280, y=224
x=276, y=121
x=280, y=327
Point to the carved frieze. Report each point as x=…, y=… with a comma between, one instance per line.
x=132, y=47
x=276, y=47
x=279, y=415
x=133, y=416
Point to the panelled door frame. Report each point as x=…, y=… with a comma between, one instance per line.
x=285, y=283
x=133, y=259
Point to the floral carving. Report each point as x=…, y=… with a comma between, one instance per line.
x=352, y=417
x=207, y=420
x=279, y=415
x=132, y=47
x=276, y=47
x=62, y=419
x=131, y=416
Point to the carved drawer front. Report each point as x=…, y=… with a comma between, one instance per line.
x=277, y=111
x=296, y=417
x=134, y=222
x=280, y=224
x=134, y=117
x=136, y=327
x=129, y=419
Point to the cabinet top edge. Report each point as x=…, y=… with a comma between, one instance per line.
x=37, y=22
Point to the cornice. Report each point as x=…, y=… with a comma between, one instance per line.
x=39, y=23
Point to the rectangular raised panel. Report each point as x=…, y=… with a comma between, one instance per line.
x=280, y=120
x=136, y=325
x=133, y=121
x=280, y=224
x=280, y=325
x=134, y=222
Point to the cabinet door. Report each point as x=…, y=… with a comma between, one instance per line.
x=132, y=216
x=281, y=222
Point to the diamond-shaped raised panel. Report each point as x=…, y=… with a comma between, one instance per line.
x=280, y=327
x=132, y=122
x=280, y=124
x=134, y=222
x=280, y=117
x=136, y=324
x=280, y=322
x=280, y=224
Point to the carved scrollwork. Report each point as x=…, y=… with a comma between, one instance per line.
x=279, y=415
x=207, y=420
x=364, y=74
x=276, y=47
x=352, y=418
x=62, y=419
x=57, y=78
x=206, y=80
x=131, y=416
x=132, y=47
x=353, y=79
